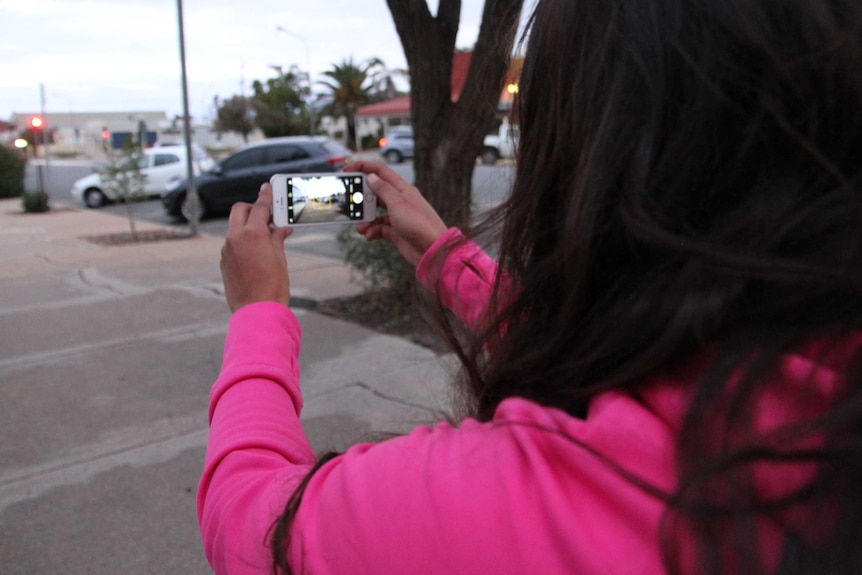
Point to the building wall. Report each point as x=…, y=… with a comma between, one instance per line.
x=80, y=133
x=336, y=127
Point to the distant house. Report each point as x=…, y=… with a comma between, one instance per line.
x=8, y=133
x=90, y=133
x=397, y=110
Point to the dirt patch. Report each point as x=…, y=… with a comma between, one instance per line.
x=126, y=238
x=49, y=211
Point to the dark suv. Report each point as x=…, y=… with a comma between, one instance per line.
x=238, y=177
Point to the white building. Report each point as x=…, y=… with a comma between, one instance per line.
x=86, y=133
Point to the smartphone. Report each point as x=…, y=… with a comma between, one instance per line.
x=325, y=198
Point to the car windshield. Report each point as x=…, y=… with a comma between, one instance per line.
x=336, y=149
x=141, y=160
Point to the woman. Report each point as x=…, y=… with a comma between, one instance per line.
x=664, y=366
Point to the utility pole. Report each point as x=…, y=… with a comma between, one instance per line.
x=43, y=132
x=191, y=191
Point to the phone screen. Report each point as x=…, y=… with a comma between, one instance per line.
x=325, y=198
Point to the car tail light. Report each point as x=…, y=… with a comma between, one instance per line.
x=336, y=161
x=382, y=142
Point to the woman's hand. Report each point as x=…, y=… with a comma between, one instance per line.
x=410, y=223
x=253, y=264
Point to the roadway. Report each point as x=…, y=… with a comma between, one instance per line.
x=490, y=186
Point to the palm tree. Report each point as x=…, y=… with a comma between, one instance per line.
x=352, y=85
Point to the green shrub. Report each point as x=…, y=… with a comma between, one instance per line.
x=11, y=173
x=35, y=202
x=370, y=142
x=376, y=265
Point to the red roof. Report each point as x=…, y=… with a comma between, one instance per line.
x=460, y=68
x=400, y=106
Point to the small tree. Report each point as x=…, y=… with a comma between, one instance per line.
x=279, y=106
x=235, y=115
x=11, y=173
x=123, y=177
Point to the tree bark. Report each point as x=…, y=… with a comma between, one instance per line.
x=448, y=135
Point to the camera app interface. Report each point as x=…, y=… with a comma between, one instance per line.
x=318, y=199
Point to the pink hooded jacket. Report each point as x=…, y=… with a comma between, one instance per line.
x=529, y=492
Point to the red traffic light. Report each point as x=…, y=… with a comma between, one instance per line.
x=36, y=122
x=106, y=134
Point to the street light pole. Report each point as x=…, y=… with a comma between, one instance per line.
x=191, y=191
x=308, y=68
x=43, y=131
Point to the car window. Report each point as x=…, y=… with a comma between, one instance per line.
x=245, y=159
x=335, y=149
x=164, y=159
x=142, y=160
x=281, y=154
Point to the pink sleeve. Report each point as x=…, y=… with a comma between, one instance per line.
x=463, y=278
x=257, y=453
x=517, y=495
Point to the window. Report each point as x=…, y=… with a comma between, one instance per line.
x=142, y=161
x=247, y=159
x=164, y=159
x=282, y=154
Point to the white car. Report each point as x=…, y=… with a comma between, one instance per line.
x=203, y=160
x=162, y=166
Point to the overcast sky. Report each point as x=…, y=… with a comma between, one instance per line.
x=118, y=55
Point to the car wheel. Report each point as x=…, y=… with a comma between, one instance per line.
x=94, y=198
x=490, y=156
x=393, y=157
x=186, y=211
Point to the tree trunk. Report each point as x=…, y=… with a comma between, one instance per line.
x=350, y=116
x=448, y=135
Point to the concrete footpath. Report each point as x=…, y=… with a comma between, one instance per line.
x=107, y=354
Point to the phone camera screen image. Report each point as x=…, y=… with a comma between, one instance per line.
x=323, y=199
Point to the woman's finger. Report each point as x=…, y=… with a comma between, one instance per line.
x=238, y=215
x=383, y=171
x=261, y=211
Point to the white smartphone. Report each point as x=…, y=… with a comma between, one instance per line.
x=324, y=198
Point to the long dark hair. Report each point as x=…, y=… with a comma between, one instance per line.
x=689, y=185
x=689, y=192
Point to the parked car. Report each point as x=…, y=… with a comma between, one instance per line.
x=397, y=145
x=501, y=143
x=238, y=177
x=204, y=161
x=161, y=166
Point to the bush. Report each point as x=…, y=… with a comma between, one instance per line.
x=11, y=173
x=370, y=142
x=35, y=202
x=376, y=265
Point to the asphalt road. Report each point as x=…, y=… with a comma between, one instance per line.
x=490, y=186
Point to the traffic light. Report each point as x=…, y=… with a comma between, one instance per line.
x=106, y=134
x=36, y=122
